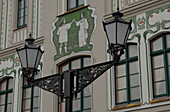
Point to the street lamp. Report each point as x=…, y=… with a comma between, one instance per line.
x=30, y=56
x=62, y=84
x=117, y=32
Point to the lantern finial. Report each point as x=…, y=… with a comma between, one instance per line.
x=30, y=40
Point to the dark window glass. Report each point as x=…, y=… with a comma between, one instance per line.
x=160, y=56
x=72, y=4
x=127, y=77
x=22, y=13
x=6, y=95
x=30, y=98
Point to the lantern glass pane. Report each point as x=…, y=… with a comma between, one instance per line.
x=111, y=29
x=32, y=55
x=38, y=58
x=121, y=32
x=22, y=55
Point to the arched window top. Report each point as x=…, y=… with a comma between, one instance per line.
x=130, y=52
x=74, y=63
x=160, y=42
x=6, y=94
x=160, y=64
x=6, y=83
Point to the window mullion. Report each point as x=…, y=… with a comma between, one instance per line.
x=32, y=98
x=127, y=76
x=82, y=92
x=6, y=95
x=24, y=13
x=166, y=66
x=77, y=3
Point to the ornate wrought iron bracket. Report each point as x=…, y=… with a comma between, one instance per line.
x=58, y=83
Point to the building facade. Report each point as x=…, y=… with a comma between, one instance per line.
x=72, y=36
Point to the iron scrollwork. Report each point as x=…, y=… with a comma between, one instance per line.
x=50, y=83
x=87, y=75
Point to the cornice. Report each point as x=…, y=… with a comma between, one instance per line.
x=140, y=8
x=12, y=50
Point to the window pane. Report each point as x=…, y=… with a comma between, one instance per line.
x=35, y=110
x=158, y=61
x=27, y=104
x=10, y=98
x=21, y=13
x=64, y=68
x=135, y=94
x=133, y=51
x=9, y=108
x=121, y=70
x=26, y=11
x=10, y=84
x=2, y=99
x=71, y=4
x=21, y=21
x=87, y=62
x=26, y=111
x=87, y=110
x=121, y=83
x=25, y=22
x=121, y=96
x=2, y=108
x=76, y=105
x=122, y=57
x=81, y=2
x=134, y=80
x=3, y=85
x=21, y=4
x=168, y=58
x=87, y=91
x=159, y=74
x=75, y=64
x=36, y=91
x=157, y=44
x=62, y=107
x=26, y=3
x=133, y=67
x=160, y=88
x=36, y=102
x=168, y=41
x=87, y=103
x=27, y=93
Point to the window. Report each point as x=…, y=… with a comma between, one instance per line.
x=160, y=59
x=30, y=98
x=127, y=77
x=6, y=95
x=22, y=12
x=72, y=4
x=83, y=102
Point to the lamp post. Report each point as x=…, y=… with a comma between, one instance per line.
x=62, y=84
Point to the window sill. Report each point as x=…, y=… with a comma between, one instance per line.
x=20, y=27
x=126, y=106
x=70, y=11
x=160, y=100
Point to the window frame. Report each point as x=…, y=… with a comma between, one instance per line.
x=24, y=15
x=32, y=87
x=164, y=52
x=81, y=58
x=77, y=5
x=126, y=62
x=6, y=92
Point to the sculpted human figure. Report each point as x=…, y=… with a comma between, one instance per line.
x=63, y=34
x=83, y=34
